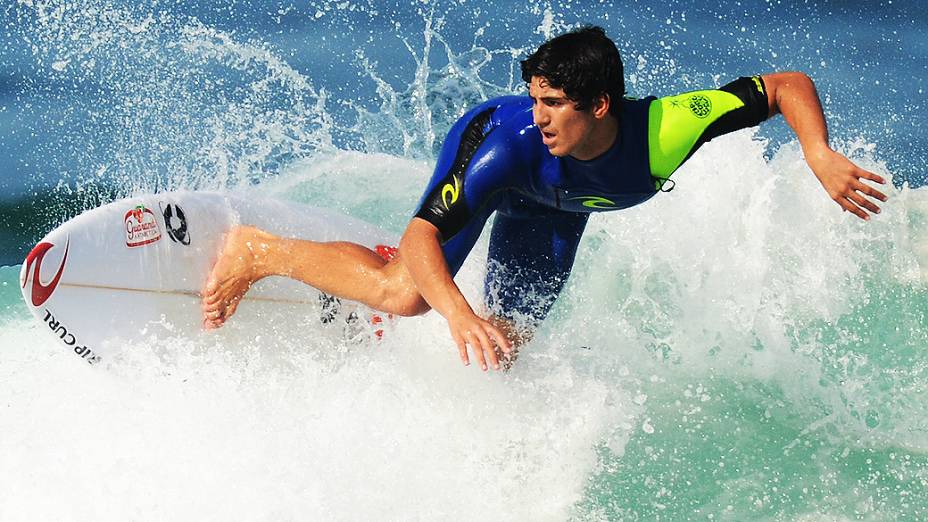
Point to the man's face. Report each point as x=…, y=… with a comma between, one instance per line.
x=564, y=129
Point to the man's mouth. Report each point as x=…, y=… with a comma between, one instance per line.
x=547, y=136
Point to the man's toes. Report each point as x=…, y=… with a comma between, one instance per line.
x=214, y=320
x=210, y=304
x=211, y=286
x=214, y=298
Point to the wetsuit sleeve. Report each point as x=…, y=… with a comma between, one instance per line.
x=679, y=125
x=469, y=172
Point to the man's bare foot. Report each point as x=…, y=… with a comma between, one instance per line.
x=238, y=267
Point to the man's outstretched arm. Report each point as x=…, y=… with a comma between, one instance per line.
x=793, y=95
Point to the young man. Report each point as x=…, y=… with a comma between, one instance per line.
x=542, y=163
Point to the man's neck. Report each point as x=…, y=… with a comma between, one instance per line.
x=601, y=139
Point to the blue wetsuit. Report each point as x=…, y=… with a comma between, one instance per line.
x=493, y=159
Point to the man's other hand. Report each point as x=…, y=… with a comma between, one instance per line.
x=843, y=180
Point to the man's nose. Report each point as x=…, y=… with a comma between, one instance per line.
x=540, y=116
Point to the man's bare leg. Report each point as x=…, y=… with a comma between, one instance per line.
x=342, y=269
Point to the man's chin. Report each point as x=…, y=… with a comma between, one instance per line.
x=556, y=152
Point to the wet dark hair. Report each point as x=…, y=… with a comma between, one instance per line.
x=584, y=63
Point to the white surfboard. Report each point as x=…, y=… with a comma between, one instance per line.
x=135, y=267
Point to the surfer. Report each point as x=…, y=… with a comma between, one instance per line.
x=542, y=163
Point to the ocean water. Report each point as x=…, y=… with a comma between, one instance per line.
x=738, y=349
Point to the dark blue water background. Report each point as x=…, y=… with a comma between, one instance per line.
x=72, y=126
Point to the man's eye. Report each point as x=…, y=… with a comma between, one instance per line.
x=553, y=103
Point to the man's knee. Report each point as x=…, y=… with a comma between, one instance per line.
x=406, y=302
x=399, y=294
x=414, y=305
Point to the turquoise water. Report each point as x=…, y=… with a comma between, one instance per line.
x=738, y=349
x=11, y=301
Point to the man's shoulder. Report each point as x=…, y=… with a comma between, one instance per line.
x=631, y=103
x=501, y=128
x=511, y=100
x=505, y=118
x=505, y=108
x=496, y=112
x=513, y=126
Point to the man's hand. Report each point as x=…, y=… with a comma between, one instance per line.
x=842, y=180
x=793, y=95
x=467, y=328
x=421, y=254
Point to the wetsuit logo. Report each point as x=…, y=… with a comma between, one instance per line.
x=595, y=202
x=453, y=190
x=40, y=292
x=700, y=105
x=760, y=86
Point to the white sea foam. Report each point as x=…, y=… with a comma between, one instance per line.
x=397, y=429
x=740, y=272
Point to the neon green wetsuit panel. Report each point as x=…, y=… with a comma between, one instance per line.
x=678, y=125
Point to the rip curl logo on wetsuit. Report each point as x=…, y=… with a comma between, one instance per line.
x=453, y=190
x=700, y=105
x=594, y=201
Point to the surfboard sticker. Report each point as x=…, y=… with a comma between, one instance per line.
x=141, y=227
x=175, y=222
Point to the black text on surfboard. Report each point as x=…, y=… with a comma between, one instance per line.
x=68, y=338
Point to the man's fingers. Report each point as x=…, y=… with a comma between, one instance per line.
x=478, y=350
x=849, y=206
x=864, y=202
x=487, y=346
x=462, y=348
x=866, y=174
x=870, y=191
x=500, y=338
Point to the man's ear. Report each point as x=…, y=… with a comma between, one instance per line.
x=601, y=105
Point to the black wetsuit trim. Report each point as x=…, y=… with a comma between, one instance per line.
x=450, y=215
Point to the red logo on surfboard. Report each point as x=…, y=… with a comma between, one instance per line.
x=141, y=227
x=41, y=293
